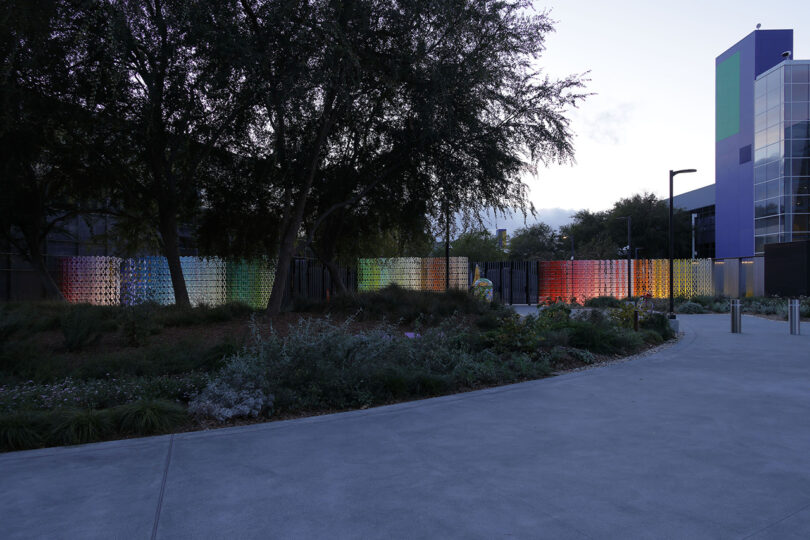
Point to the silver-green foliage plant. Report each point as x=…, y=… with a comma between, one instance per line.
x=239, y=389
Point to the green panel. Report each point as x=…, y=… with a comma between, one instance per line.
x=727, y=106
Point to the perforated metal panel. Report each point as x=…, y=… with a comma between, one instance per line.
x=250, y=282
x=580, y=280
x=210, y=281
x=425, y=274
x=146, y=279
x=91, y=280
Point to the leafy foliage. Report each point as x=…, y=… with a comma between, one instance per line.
x=601, y=235
x=538, y=241
x=80, y=327
x=479, y=245
x=397, y=304
x=690, y=307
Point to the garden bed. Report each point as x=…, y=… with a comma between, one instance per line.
x=76, y=374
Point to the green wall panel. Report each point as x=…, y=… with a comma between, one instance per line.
x=727, y=105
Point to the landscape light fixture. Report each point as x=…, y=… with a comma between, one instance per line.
x=672, y=175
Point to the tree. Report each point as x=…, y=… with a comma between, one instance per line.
x=602, y=235
x=441, y=98
x=537, y=241
x=478, y=246
x=168, y=89
x=45, y=170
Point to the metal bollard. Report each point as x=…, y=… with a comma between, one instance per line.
x=736, y=317
x=793, y=316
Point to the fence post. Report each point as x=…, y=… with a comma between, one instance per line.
x=500, y=280
x=511, y=282
x=527, y=283
x=539, y=277
x=323, y=285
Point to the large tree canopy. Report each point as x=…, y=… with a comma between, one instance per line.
x=435, y=107
x=45, y=171
x=303, y=126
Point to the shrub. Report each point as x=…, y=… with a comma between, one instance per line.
x=624, y=315
x=149, y=416
x=10, y=323
x=138, y=323
x=174, y=315
x=659, y=323
x=82, y=426
x=394, y=303
x=562, y=356
x=238, y=390
x=23, y=430
x=604, y=302
x=705, y=300
x=554, y=315
x=100, y=393
x=690, y=308
x=80, y=327
x=651, y=337
x=603, y=339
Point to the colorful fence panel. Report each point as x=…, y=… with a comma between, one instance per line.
x=580, y=280
x=210, y=281
x=91, y=280
x=423, y=274
x=250, y=282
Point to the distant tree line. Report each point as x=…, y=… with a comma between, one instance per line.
x=596, y=235
x=333, y=128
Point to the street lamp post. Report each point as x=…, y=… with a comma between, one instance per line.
x=565, y=237
x=629, y=220
x=672, y=175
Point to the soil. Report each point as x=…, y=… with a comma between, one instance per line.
x=205, y=334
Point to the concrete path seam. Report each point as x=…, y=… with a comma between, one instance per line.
x=162, y=487
x=777, y=522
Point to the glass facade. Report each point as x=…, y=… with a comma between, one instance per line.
x=782, y=154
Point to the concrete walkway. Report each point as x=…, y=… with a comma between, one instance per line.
x=709, y=438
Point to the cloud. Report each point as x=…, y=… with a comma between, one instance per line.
x=608, y=125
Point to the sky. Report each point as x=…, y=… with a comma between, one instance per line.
x=651, y=69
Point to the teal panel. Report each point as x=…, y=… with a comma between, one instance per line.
x=727, y=104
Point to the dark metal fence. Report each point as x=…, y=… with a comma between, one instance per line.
x=514, y=282
x=311, y=280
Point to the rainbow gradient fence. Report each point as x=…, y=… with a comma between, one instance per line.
x=581, y=280
x=415, y=273
x=211, y=281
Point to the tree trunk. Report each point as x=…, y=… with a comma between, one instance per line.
x=171, y=250
x=285, y=252
x=334, y=274
x=296, y=214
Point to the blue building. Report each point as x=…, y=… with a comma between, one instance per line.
x=736, y=71
x=762, y=145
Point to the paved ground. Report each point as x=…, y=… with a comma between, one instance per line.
x=709, y=438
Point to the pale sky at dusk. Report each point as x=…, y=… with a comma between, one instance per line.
x=652, y=70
